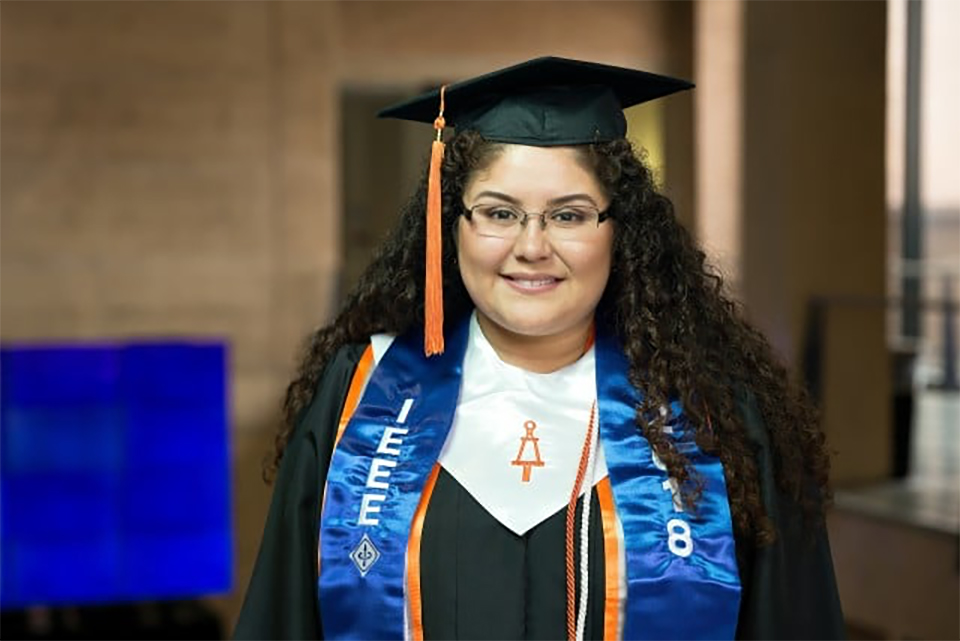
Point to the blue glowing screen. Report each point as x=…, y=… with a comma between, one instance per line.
x=114, y=473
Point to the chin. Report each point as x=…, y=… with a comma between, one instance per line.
x=533, y=325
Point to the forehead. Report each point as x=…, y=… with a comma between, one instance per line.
x=536, y=174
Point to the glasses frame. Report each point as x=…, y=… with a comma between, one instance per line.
x=602, y=215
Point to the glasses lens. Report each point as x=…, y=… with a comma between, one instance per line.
x=500, y=221
x=564, y=223
x=572, y=223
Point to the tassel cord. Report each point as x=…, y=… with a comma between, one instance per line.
x=433, y=289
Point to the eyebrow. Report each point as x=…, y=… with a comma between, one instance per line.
x=561, y=200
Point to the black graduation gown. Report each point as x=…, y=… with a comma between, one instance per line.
x=477, y=576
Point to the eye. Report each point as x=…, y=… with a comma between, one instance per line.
x=498, y=214
x=569, y=216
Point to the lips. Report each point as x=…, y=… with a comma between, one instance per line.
x=532, y=282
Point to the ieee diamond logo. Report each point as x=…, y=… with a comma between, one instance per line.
x=365, y=555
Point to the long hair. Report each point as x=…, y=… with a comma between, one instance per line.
x=683, y=337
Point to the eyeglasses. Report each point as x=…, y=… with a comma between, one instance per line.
x=567, y=222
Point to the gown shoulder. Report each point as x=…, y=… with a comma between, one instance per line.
x=281, y=598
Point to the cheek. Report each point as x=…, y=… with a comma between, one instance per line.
x=597, y=254
x=471, y=265
x=477, y=257
x=593, y=263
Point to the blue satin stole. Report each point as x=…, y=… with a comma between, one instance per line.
x=682, y=578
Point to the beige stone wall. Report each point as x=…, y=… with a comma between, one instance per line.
x=171, y=169
x=813, y=205
x=166, y=173
x=158, y=161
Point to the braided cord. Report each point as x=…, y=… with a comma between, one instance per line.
x=585, y=536
x=571, y=514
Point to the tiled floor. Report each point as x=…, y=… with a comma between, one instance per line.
x=930, y=496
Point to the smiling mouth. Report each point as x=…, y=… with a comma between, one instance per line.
x=532, y=283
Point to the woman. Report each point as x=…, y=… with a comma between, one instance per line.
x=588, y=352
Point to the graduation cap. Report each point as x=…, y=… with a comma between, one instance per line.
x=544, y=102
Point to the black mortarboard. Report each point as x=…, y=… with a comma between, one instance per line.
x=543, y=102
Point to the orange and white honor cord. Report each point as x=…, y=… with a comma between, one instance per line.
x=585, y=534
x=577, y=616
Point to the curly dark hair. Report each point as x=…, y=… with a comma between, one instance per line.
x=684, y=338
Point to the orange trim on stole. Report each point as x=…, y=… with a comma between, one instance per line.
x=349, y=406
x=413, y=557
x=611, y=558
x=353, y=394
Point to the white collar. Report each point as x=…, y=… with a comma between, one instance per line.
x=496, y=402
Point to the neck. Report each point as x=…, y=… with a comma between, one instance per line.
x=539, y=354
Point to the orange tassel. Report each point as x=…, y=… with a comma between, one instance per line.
x=433, y=291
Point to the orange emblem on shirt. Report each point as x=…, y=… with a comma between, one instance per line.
x=528, y=437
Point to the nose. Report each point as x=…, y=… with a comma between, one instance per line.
x=532, y=243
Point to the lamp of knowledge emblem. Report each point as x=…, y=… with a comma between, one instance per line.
x=365, y=555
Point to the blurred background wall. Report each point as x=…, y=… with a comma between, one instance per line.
x=213, y=169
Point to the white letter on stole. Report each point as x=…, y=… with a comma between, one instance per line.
x=388, y=443
x=376, y=469
x=379, y=474
x=366, y=509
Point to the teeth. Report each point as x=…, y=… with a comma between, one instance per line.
x=534, y=283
